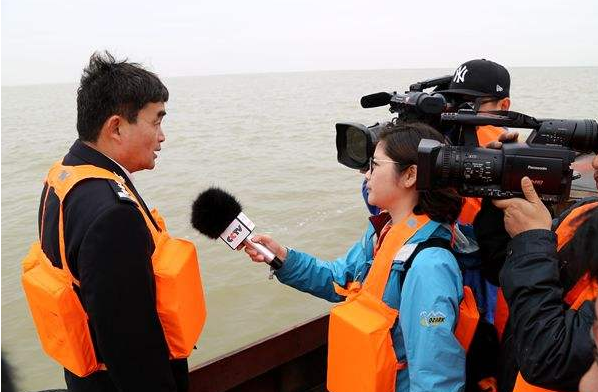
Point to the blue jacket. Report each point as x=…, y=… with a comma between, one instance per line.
x=433, y=288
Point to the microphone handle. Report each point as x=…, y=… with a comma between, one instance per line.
x=267, y=253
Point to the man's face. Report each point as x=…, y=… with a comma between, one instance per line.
x=141, y=140
x=490, y=104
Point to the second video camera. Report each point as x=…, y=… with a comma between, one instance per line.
x=545, y=157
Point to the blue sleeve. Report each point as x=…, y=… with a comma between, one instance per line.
x=312, y=275
x=429, y=309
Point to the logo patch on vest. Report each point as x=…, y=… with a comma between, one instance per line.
x=121, y=192
x=431, y=319
x=63, y=175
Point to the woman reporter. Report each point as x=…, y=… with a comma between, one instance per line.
x=370, y=347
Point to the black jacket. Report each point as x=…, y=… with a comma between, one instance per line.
x=544, y=340
x=109, y=248
x=550, y=343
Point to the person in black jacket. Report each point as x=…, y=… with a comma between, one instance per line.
x=108, y=246
x=544, y=340
x=589, y=381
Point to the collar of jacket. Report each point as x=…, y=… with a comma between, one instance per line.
x=379, y=221
x=96, y=158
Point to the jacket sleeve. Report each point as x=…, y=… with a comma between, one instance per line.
x=312, y=275
x=552, y=343
x=428, y=314
x=117, y=288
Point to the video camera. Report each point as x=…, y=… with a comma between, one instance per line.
x=355, y=143
x=474, y=171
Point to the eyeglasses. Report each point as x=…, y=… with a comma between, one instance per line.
x=375, y=162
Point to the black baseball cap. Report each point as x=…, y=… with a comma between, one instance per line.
x=480, y=78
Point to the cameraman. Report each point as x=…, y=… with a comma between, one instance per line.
x=484, y=85
x=545, y=281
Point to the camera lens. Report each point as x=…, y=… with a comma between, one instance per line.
x=356, y=144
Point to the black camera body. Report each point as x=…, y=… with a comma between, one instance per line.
x=485, y=172
x=474, y=171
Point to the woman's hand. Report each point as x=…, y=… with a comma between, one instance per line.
x=525, y=214
x=268, y=242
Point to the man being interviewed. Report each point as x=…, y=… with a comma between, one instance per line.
x=116, y=324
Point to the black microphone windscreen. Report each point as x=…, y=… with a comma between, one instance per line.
x=213, y=210
x=375, y=100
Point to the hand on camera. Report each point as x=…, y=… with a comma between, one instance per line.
x=525, y=214
x=505, y=137
x=268, y=242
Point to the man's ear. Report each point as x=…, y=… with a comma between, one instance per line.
x=111, y=128
x=505, y=103
x=410, y=176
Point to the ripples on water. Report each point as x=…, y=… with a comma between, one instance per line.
x=270, y=140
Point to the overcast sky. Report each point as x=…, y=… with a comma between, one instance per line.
x=50, y=41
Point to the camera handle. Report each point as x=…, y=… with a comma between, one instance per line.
x=468, y=136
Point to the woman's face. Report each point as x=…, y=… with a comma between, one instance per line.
x=589, y=382
x=383, y=181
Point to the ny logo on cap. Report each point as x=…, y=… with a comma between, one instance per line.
x=460, y=74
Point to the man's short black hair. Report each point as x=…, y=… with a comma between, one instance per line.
x=110, y=87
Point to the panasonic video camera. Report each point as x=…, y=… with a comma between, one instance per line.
x=545, y=157
x=355, y=143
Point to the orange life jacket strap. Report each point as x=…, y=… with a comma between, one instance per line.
x=351, y=289
x=471, y=207
x=62, y=247
x=63, y=178
x=501, y=313
x=569, y=225
x=397, y=236
x=468, y=319
x=523, y=386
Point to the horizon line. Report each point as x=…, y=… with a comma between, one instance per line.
x=247, y=73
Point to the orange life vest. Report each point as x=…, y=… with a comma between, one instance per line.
x=584, y=290
x=360, y=351
x=59, y=317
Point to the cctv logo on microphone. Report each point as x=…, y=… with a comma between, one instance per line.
x=238, y=230
x=231, y=237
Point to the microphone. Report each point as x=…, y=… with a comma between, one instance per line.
x=216, y=213
x=375, y=100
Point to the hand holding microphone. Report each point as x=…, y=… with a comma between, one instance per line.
x=268, y=242
x=216, y=213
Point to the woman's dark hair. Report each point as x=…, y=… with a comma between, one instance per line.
x=110, y=87
x=400, y=144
